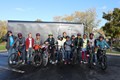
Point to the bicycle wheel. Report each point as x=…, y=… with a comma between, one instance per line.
x=45, y=59
x=103, y=63
x=90, y=60
x=37, y=59
x=13, y=60
x=74, y=61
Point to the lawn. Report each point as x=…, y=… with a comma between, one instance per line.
x=2, y=47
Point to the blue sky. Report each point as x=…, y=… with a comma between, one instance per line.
x=46, y=9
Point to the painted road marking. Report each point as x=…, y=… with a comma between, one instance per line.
x=10, y=69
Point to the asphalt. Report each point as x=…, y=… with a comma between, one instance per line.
x=60, y=72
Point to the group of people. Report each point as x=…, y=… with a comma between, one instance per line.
x=65, y=44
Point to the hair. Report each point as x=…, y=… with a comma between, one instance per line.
x=64, y=33
x=29, y=34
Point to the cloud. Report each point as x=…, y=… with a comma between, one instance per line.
x=20, y=9
x=23, y=9
x=103, y=7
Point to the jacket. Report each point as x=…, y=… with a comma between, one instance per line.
x=102, y=44
x=7, y=39
x=79, y=43
x=27, y=43
x=67, y=45
x=51, y=41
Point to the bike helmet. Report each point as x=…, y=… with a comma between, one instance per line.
x=101, y=37
x=59, y=36
x=37, y=34
x=67, y=37
x=91, y=34
x=19, y=34
x=72, y=36
x=78, y=34
x=50, y=34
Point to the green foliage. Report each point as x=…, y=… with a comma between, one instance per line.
x=3, y=29
x=112, y=27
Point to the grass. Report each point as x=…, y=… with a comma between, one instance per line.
x=113, y=52
x=2, y=47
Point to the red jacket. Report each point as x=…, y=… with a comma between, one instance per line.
x=27, y=43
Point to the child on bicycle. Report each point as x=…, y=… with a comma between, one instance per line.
x=51, y=42
x=101, y=44
x=21, y=46
x=92, y=46
x=37, y=42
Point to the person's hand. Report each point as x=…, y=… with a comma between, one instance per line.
x=110, y=48
x=27, y=50
x=72, y=44
x=46, y=42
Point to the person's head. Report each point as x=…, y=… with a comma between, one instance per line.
x=85, y=36
x=73, y=36
x=67, y=38
x=101, y=38
x=50, y=35
x=19, y=35
x=30, y=35
x=79, y=35
x=37, y=35
x=64, y=34
x=91, y=35
x=9, y=33
x=60, y=37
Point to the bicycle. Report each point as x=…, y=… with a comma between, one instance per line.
x=45, y=55
x=90, y=58
x=15, y=59
x=51, y=52
x=37, y=56
x=102, y=61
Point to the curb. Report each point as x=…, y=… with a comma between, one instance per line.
x=113, y=54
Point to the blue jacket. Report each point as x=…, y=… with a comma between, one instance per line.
x=102, y=44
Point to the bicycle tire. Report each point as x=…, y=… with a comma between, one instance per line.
x=37, y=59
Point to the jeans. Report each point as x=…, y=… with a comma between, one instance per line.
x=58, y=54
x=73, y=49
x=10, y=51
x=29, y=54
x=23, y=54
x=93, y=52
x=67, y=55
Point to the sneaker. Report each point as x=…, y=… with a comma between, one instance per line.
x=53, y=62
x=23, y=62
x=10, y=62
x=88, y=55
x=65, y=62
x=14, y=62
x=81, y=62
x=68, y=62
x=85, y=62
x=94, y=63
x=56, y=61
x=50, y=61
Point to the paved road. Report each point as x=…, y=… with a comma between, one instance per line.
x=64, y=72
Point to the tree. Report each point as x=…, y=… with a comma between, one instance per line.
x=38, y=20
x=3, y=29
x=89, y=18
x=112, y=26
